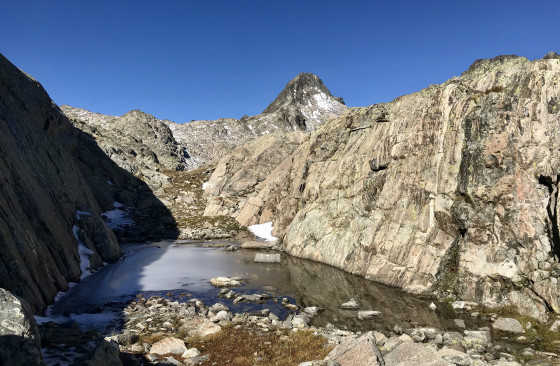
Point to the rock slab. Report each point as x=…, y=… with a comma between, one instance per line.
x=169, y=345
x=509, y=325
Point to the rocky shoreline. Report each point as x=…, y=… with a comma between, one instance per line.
x=163, y=331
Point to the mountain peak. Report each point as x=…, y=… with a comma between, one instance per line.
x=299, y=90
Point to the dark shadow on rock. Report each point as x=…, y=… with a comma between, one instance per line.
x=17, y=351
x=50, y=172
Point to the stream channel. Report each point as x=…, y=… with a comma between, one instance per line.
x=181, y=271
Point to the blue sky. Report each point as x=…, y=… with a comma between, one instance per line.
x=185, y=60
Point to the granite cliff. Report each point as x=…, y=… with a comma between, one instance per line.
x=55, y=183
x=451, y=190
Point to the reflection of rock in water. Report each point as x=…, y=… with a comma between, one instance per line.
x=315, y=284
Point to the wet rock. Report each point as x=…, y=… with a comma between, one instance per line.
x=352, y=304
x=267, y=258
x=509, y=325
x=368, y=314
x=258, y=245
x=224, y=282
x=168, y=345
x=19, y=336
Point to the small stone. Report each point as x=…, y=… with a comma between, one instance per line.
x=191, y=352
x=433, y=306
x=455, y=357
x=406, y=338
x=418, y=335
x=368, y=314
x=172, y=361
x=312, y=311
x=460, y=323
x=352, y=304
x=509, y=325
x=555, y=327
x=169, y=345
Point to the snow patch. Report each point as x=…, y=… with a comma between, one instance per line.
x=84, y=253
x=116, y=219
x=263, y=231
x=80, y=213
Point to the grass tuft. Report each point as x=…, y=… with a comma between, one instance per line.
x=241, y=347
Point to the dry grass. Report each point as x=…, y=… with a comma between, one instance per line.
x=152, y=338
x=243, y=347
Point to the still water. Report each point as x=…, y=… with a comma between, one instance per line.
x=182, y=271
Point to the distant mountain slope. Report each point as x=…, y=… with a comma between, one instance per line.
x=135, y=140
x=304, y=104
x=138, y=140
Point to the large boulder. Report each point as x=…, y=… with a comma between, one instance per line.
x=20, y=343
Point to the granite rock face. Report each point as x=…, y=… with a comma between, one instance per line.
x=54, y=184
x=20, y=343
x=452, y=189
x=135, y=140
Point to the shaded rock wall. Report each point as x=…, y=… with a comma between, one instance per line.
x=20, y=343
x=451, y=189
x=48, y=171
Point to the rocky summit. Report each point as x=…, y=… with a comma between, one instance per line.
x=450, y=192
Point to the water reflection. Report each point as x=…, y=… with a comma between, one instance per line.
x=174, y=270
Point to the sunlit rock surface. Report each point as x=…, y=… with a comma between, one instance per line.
x=448, y=190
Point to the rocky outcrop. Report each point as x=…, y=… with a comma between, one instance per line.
x=450, y=190
x=304, y=104
x=55, y=183
x=233, y=182
x=20, y=343
x=135, y=140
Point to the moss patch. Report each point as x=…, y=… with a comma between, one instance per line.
x=538, y=337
